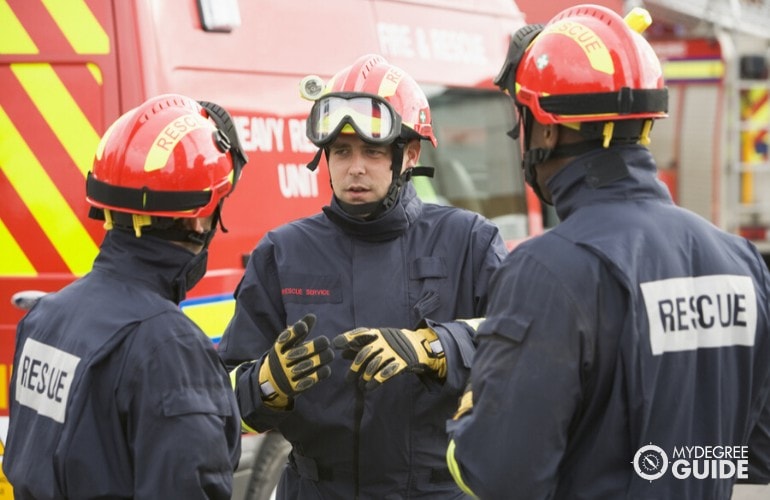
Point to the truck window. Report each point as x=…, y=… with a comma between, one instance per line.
x=477, y=164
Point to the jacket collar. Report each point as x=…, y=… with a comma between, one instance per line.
x=152, y=262
x=391, y=224
x=620, y=172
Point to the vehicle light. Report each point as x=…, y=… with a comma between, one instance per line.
x=219, y=15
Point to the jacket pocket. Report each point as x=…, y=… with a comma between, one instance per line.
x=427, y=275
x=187, y=401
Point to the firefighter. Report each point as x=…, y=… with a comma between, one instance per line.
x=645, y=329
x=374, y=272
x=115, y=392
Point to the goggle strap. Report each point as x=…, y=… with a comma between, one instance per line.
x=422, y=171
x=313, y=164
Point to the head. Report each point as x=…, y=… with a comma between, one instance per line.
x=585, y=80
x=369, y=119
x=164, y=168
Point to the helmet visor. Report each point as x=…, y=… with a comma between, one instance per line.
x=369, y=116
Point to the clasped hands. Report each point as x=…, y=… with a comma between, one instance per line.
x=294, y=364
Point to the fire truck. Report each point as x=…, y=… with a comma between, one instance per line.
x=69, y=69
x=713, y=149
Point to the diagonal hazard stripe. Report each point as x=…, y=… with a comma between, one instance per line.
x=60, y=111
x=14, y=39
x=79, y=25
x=55, y=217
x=14, y=261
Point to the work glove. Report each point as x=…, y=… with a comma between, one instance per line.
x=465, y=405
x=379, y=354
x=293, y=365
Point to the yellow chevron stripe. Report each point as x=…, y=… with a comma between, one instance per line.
x=211, y=317
x=96, y=72
x=15, y=39
x=5, y=379
x=60, y=111
x=14, y=262
x=45, y=202
x=79, y=26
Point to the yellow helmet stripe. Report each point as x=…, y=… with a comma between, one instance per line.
x=15, y=39
x=47, y=205
x=79, y=26
x=14, y=261
x=389, y=83
x=593, y=47
x=60, y=111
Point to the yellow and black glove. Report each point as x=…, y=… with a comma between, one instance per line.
x=465, y=405
x=293, y=365
x=379, y=354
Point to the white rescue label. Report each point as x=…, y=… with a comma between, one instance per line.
x=44, y=379
x=706, y=311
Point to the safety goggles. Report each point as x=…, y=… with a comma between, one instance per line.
x=368, y=115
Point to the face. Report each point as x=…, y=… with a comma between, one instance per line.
x=360, y=172
x=199, y=225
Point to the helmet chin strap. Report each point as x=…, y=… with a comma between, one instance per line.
x=373, y=209
x=537, y=156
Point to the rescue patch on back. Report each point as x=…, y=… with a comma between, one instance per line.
x=699, y=312
x=44, y=379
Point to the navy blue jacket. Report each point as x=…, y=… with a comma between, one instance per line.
x=115, y=392
x=416, y=262
x=641, y=324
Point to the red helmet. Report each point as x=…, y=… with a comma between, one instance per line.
x=374, y=98
x=169, y=157
x=585, y=65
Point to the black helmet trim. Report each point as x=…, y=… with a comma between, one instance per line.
x=144, y=199
x=226, y=137
x=520, y=40
x=625, y=102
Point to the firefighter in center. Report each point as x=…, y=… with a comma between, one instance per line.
x=363, y=381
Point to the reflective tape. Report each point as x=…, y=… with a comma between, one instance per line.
x=15, y=39
x=211, y=314
x=43, y=199
x=693, y=70
x=79, y=26
x=60, y=111
x=14, y=261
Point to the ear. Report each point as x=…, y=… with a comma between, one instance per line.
x=412, y=153
x=551, y=135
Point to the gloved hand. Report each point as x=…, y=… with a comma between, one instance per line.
x=381, y=353
x=293, y=365
x=466, y=403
